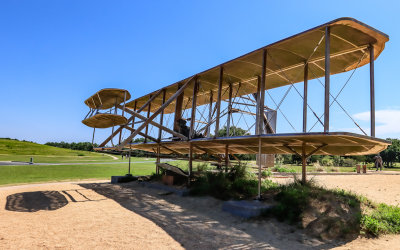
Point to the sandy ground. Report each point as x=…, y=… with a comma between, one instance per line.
x=104, y=216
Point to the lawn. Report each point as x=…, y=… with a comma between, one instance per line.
x=40, y=173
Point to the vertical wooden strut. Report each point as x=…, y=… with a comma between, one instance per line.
x=221, y=78
x=178, y=109
x=303, y=164
x=259, y=168
x=148, y=115
x=159, y=134
x=123, y=112
x=190, y=161
x=226, y=157
x=158, y=158
x=161, y=116
x=257, y=97
x=262, y=94
x=327, y=77
x=133, y=118
x=228, y=121
x=210, y=115
x=305, y=98
x=372, y=87
x=194, y=102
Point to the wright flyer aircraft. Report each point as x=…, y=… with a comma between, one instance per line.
x=185, y=119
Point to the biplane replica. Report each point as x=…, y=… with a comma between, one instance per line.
x=184, y=119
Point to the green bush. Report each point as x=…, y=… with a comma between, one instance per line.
x=237, y=183
x=384, y=219
x=284, y=170
x=266, y=173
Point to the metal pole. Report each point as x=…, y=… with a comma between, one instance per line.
x=210, y=115
x=372, y=88
x=259, y=168
x=221, y=78
x=327, y=77
x=262, y=94
x=305, y=98
x=94, y=129
x=228, y=122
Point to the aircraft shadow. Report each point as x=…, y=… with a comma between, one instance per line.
x=199, y=223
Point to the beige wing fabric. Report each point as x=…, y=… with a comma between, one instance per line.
x=105, y=120
x=350, y=40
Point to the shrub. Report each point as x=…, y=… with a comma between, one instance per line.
x=318, y=167
x=348, y=162
x=327, y=161
x=284, y=170
x=202, y=167
x=384, y=219
x=266, y=173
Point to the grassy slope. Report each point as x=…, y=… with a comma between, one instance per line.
x=12, y=150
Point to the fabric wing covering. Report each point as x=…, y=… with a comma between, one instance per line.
x=335, y=143
x=285, y=62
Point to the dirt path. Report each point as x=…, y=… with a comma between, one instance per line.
x=100, y=215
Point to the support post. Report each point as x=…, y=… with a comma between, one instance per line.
x=228, y=122
x=226, y=157
x=305, y=96
x=372, y=87
x=210, y=115
x=133, y=118
x=123, y=112
x=262, y=94
x=148, y=115
x=161, y=117
x=194, y=102
x=129, y=166
x=221, y=78
x=178, y=110
x=257, y=97
x=190, y=161
x=259, y=168
x=304, y=164
x=158, y=158
x=327, y=77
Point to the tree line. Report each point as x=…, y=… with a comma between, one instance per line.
x=85, y=146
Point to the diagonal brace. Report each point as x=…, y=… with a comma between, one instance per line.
x=151, y=118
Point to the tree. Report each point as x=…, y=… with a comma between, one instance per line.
x=392, y=153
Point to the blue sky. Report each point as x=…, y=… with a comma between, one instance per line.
x=55, y=54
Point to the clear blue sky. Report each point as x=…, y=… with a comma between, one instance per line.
x=55, y=54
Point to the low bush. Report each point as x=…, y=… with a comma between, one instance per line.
x=284, y=170
x=266, y=173
x=237, y=184
x=382, y=220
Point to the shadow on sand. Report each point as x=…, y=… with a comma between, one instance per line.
x=35, y=201
x=199, y=223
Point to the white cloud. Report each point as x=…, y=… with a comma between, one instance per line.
x=387, y=121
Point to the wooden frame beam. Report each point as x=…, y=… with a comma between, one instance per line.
x=151, y=118
x=327, y=77
x=133, y=113
x=218, y=104
x=194, y=103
